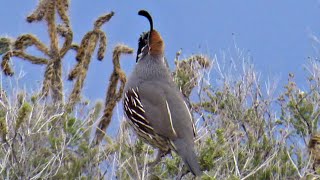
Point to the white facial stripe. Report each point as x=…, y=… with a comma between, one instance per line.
x=143, y=48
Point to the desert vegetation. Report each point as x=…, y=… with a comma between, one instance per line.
x=246, y=128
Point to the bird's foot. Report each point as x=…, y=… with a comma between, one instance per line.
x=153, y=163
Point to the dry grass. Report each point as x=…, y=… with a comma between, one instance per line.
x=240, y=135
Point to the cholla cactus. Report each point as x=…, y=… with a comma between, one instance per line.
x=5, y=44
x=46, y=11
x=113, y=96
x=84, y=55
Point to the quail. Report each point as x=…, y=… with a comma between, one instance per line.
x=153, y=104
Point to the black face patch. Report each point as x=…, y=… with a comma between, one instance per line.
x=143, y=40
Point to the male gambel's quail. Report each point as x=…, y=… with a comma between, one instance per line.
x=153, y=104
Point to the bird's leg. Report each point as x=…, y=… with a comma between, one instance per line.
x=184, y=171
x=155, y=161
x=158, y=158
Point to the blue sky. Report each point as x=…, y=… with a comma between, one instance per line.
x=275, y=33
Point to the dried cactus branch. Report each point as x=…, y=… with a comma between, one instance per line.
x=39, y=12
x=84, y=54
x=62, y=30
x=56, y=81
x=52, y=28
x=57, y=86
x=80, y=70
x=74, y=47
x=32, y=59
x=97, y=32
x=18, y=53
x=5, y=45
x=120, y=49
x=93, y=40
x=75, y=72
x=113, y=96
x=67, y=33
x=83, y=45
x=102, y=44
x=26, y=40
x=62, y=8
x=5, y=64
x=48, y=76
x=87, y=45
x=103, y=19
x=53, y=74
x=76, y=91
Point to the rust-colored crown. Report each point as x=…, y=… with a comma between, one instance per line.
x=155, y=42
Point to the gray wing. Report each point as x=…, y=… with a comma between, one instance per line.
x=166, y=110
x=170, y=117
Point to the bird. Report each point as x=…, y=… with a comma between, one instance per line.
x=153, y=104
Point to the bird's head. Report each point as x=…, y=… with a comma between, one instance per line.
x=149, y=42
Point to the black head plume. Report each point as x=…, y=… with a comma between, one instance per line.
x=148, y=16
x=144, y=38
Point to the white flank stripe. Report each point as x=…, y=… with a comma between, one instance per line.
x=137, y=121
x=150, y=136
x=193, y=127
x=139, y=102
x=126, y=96
x=130, y=110
x=170, y=118
x=134, y=92
x=140, y=116
x=141, y=130
x=136, y=125
x=174, y=147
x=141, y=109
x=134, y=102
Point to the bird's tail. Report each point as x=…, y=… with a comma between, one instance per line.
x=188, y=155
